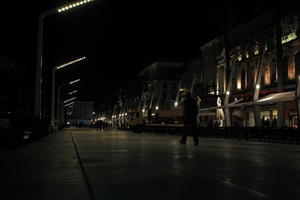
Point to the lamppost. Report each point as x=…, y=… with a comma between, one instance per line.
x=39, y=59
x=53, y=86
x=58, y=95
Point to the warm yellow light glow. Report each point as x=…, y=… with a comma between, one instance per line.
x=247, y=55
x=176, y=104
x=239, y=83
x=143, y=110
x=227, y=92
x=289, y=37
x=156, y=108
x=240, y=57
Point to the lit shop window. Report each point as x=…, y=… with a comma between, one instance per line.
x=291, y=68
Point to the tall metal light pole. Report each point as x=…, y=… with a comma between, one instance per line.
x=39, y=59
x=53, y=86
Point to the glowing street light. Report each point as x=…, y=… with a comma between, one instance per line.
x=66, y=101
x=53, y=85
x=72, y=82
x=70, y=63
x=69, y=104
x=75, y=91
x=58, y=95
x=39, y=59
x=73, y=5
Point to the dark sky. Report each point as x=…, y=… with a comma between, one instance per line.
x=119, y=38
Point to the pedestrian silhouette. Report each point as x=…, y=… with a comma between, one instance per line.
x=274, y=122
x=263, y=122
x=267, y=123
x=190, y=113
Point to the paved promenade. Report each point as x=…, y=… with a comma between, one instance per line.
x=119, y=165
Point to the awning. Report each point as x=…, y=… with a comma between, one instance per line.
x=277, y=97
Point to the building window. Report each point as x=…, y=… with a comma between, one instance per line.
x=267, y=74
x=291, y=68
x=256, y=50
x=255, y=71
x=265, y=114
x=238, y=81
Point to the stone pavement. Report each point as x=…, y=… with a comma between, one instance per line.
x=115, y=165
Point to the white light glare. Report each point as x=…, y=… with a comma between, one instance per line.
x=71, y=62
x=143, y=110
x=73, y=92
x=70, y=100
x=69, y=104
x=257, y=86
x=156, y=108
x=72, y=82
x=176, y=104
x=73, y=5
x=227, y=92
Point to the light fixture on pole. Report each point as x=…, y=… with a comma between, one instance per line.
x=58, y=95
x=73, y=5
x=72, y=82
x=66, y=101
x=53, y=86
x=69, y=104
x=73, y=92
x=39, y=59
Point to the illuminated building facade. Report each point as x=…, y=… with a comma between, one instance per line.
x=261, y=77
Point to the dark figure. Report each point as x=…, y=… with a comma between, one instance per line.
x=274, y=122
x=267, y=123
x=210, y=124
x=99, y=125
x=190, y=113
x=217, y=124
x=263, y=122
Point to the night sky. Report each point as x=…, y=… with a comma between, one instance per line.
x=119, y=38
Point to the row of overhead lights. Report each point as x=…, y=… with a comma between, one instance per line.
x=71, y=62
x=73, y=5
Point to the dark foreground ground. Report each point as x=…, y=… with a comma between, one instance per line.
x=118, y=165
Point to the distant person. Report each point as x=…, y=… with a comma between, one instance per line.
x=190, y=113
x=98, y=125
x=210, y=123
x=267, y=123
x=274, y=122
x=263, y=122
